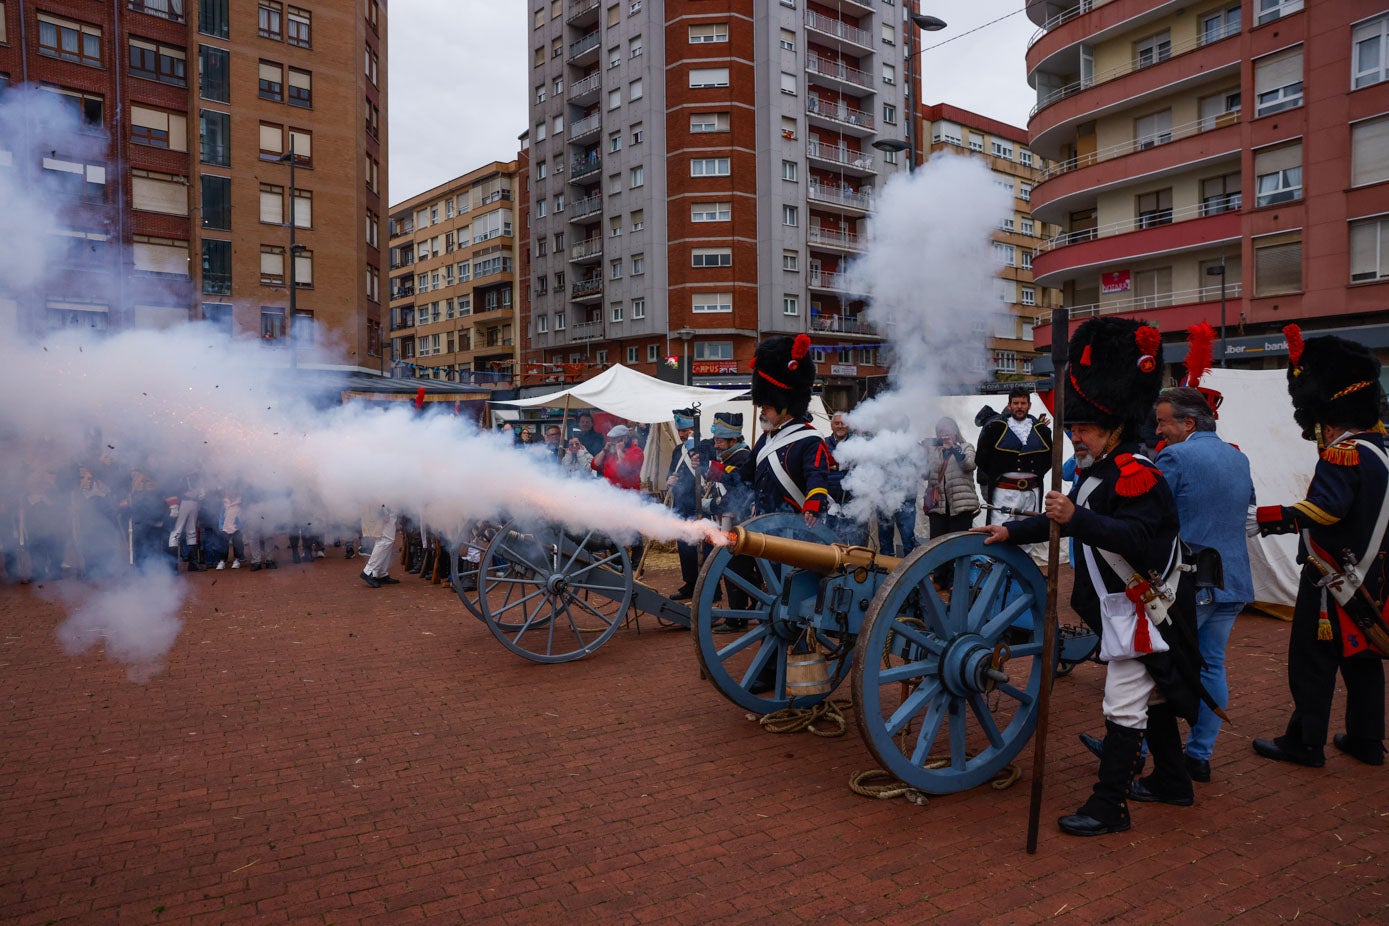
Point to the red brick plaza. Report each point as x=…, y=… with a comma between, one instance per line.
x=316, y=751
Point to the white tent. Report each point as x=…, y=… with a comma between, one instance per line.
x=624, y=392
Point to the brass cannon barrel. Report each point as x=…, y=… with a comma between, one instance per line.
x=815, y=557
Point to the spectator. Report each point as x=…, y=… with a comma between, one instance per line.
x=951, y=501
x=591, y=439
x=576, y=459
x=847, y=529
x=619, y=460
x=554, y=447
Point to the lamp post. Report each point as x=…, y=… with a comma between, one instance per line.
x=685, y=334
x=1220, y=272
x=926, y=24
x=294, y=249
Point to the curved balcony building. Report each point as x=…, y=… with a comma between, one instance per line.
x=1227, y=158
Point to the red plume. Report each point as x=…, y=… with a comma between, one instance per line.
x=1199, y=339
x=419, y=398
x=1294, y=335
x=799, y=348
x=1149, y=339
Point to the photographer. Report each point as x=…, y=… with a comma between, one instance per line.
x=950, y=501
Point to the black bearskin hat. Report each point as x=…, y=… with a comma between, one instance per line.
x=783, y=374
x=985, y=415
x=1332, y=381
x=1115, y=374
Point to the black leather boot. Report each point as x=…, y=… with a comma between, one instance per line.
x=1107, y=811
x=1170, y=782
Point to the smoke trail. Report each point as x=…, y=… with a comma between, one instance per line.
x=121, y=618
x=930, y=274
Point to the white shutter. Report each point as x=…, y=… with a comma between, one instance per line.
x=1273, y=159
x=303, y=269
x=161, y=257
x=1278, y=70
x=303, y=144
x=1277, y=267
x=159, y=193
x=1369, y=151
x=272, y=207
x=272, y=263
x=271, y=138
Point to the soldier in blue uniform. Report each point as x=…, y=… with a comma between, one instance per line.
x=1338, y=618
x=682, y=484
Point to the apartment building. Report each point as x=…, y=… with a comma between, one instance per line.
x=1226, y=162
x=700, y=176
x=1004, y=148
x=242, y=174
x=453, y=312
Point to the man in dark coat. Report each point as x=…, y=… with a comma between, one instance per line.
x=1334, y=384
x=1124, y=520
x=682, y=484
x=1012, y=456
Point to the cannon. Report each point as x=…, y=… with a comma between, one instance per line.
x=550, y=594
x=941, y=647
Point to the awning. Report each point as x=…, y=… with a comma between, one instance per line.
x=624, y=392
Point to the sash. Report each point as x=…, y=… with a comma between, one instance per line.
x=785, y=438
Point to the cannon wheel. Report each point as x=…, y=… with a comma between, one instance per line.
x=735, y=661
x=928, y=709
x=553, y=595
x=464, y=576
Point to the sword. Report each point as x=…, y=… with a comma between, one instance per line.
x=1354, y=598
x=1008, y=509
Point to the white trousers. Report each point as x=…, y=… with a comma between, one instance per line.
x=381, y=552
x=187, y=523
x=1128, y=690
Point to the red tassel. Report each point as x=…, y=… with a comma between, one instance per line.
x=1134, y=478
x=800, y=347
x=1085, y=356
x=1294, y=335
x=1142, y=640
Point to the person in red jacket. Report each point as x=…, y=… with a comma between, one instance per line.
x=620, y=459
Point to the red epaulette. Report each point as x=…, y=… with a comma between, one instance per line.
x=1134, y=477
x=1342, y=455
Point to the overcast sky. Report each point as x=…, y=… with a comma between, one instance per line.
x=458, y=78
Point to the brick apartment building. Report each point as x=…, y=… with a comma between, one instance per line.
x=203, y=100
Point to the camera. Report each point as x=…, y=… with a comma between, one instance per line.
x=931, y=442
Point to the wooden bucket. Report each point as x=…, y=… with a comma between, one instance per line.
x=806, y=674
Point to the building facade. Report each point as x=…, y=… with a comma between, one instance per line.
x=699, y=177
x=454, y=311
x=1225, y=162
x=946, y=128
x=192, y=206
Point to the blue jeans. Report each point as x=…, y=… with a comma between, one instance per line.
x=904, y=519
x=1213, y=625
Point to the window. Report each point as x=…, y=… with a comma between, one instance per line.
x=788, y=84
x=788, y=40
x=370, y=65
x=615, y=269
x=638, y=308
x=709, y=167
x=1027, y=255
x=214, y=138
x=708, y=77
x=1219, y=110
x=889, y=114
x=638, y=219
x=713, y=350
x=1003, y=149
x=616, y=309
x=637, y=177
x=541, y=209
x=1369, y=151
x=559, y=321
x=69, y=40
x=272, y=265
x=268, y=19
x=157, y=128
x=711, y=302
x=976, y=142
x=615, y=98
x=1220, y=24
x=615, y=141
x=1369, y=61
x=790, y=216
x=711, y=212
x=791, y=260
x=373, y=231
x=633, y=353
x=300, y=31
x=1369, y=250
x=615, y=227
x=788, y=170
x=1025, y=158
x=212, y=18
x=216, y=259
x=1154, y=208
x=652, y=353
x=1278, y=82
x=1005, y=254
x=790, y=305
x=301, y=93
x=1152, y=130
x=709, y=32
x=638, y=133
x=373, y=124
x=711, y=257
x=1025, y=192
x=635, y=47
x=272, y=204
x=1153, y=286
x=164, y=63
x=1027, y=227
x=1221, y=194
x=708, y=122
x=214, y=79
x=889, y=34
x=558, y=87
x=272, y=323
x=542, y=323
x=638, y=264
x=271, y=81
x=1154, y=48
x=1278, y=264
x=1278, y=175
x=216, y=202
x=1027, y=295
x=1269, y=10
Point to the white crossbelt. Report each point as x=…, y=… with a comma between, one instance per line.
x=785, y=438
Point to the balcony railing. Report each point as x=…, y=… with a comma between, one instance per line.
x=841, y=324
x=578, y=8
x=1176, y=133
x=590, y=287
x=835, y=239
x=839, y=29
x=824, y=67
x=593, y=247
x=823, y=279
x=587, y=43
x=587, y=331
x=586, y=85
x=861, y=199
x=1142, y=62
x=843, y=156
x=841, y=113
x=585, y=126
x=1056, y=19
x=1149, y=302
x=586, y=206
x=582, y=167
x=1141, y=221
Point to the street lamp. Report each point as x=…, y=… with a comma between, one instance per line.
x=294, y=249
x=1220, y=272
x=926, y=24
x=685, y=334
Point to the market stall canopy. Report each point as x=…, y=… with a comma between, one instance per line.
x=624, y=392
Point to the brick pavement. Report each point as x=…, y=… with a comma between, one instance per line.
x=319, y=752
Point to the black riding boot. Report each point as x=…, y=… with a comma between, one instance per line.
x=1170, y=782
x=1106, y=811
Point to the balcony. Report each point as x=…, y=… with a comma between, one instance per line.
x=1201, y=295
x=1080, y=253
x=586, y=251
x=837, y=240
x=589, y=125
x=588, y=331
x=581, y=90
x=840, y=76
x=843, y=160
x=841, y=324
x=583, y=166
x=832, y=282
x=838, y=198
x=582, y=12
x=838, y=32
x=847, y=119
x=584, y=48
x=588, y=289
x=581, y=209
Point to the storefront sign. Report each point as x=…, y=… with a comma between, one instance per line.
x=713, y=367
x=844, y=369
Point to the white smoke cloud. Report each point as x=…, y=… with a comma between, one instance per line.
x=135, y=618
x=930, y=274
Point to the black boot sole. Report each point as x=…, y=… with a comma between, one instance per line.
x=1079, y=824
